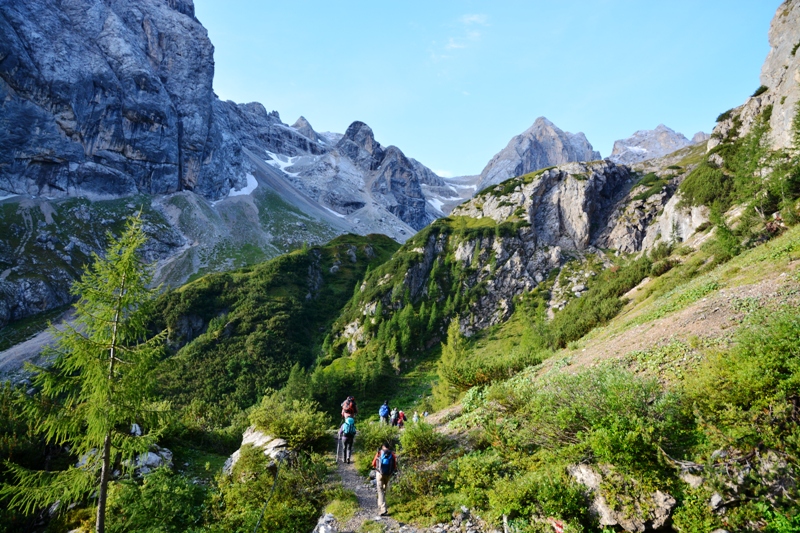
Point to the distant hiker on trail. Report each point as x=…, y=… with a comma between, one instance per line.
x=393, y=416
x=401, y=419
x=415, y=418
x=385, y=464
x=348, y=434
x=349, y=407
x=384, y=412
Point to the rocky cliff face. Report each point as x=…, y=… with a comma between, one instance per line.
x=780, y=78
x=503, y=242
x=649, y=144
x=540, y=146
x=109, y=98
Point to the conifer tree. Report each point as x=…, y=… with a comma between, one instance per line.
x=454, y=352
x=97, y=398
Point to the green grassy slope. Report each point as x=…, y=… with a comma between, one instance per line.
x=240, y=332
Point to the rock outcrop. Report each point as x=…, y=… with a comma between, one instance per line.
x=538, y=222
x=540, y=146
x=645, y=512
x=780, y=86
x=272, y=447
x=648, y=144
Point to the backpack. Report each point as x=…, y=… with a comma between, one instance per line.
x=384, y=410
x=386, y=463
x=349, y=427
x=349, y=405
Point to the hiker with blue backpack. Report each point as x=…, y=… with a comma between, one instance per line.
x=347, y=433
x=383, y=412
x=385, y=465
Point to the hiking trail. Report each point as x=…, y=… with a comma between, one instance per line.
x=367, y=503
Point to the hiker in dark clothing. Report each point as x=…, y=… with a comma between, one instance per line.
x=385, y=464
x=384, y=412
x=348, y=435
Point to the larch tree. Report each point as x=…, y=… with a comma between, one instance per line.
x=97, y=399
x=454, y=353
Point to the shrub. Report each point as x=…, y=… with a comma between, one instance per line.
x=604, y=414
x=373, y=435
x=162, y=503
x=300, y=422
x=544, y=492
x=421, y=440
x=725, y=115
x=761, y=90
x=706, y=185
x=747, y=397
x=475, y=473
x=294, y=505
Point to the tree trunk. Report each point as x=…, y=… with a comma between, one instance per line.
x=105, y=473
x=102, y=495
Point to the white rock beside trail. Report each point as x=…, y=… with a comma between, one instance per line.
x=649, y=511
x=273, y=447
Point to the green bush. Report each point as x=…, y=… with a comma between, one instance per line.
x=598, y=305
x=162, y=503
x=747, y=397
x=295, y=504
x=544, y=492
x=724, y=115
x=420, y=440
x=300, y=422
x=706, y=185
x=475, y=473
x=604, y=414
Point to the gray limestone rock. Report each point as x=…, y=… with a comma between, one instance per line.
x=107, y=98
x=647, y=512
x=540, y=146
x=780, y=75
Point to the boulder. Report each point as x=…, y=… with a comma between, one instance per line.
x=647, y=512
x=273, y=447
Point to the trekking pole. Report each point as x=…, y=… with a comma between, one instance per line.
x=338, y=445
x=271, y=492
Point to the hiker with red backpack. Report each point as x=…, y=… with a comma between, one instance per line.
x=385, y=465
x=349, y=408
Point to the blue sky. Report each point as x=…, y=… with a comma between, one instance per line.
x=451, y=81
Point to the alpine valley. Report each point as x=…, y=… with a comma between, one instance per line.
x=601, y=344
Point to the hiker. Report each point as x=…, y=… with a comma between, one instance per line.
x=385, y=465
x=349, y=407
x=348, y=434
x=393, y=416
x=384, y=412
x=401, y=419
x=415, y=418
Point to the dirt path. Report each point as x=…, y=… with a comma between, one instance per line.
x=367, y=502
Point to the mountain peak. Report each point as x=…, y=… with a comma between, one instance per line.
x=362, y=135
x=303, y=127
x=648, y=144
x=542, y=145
